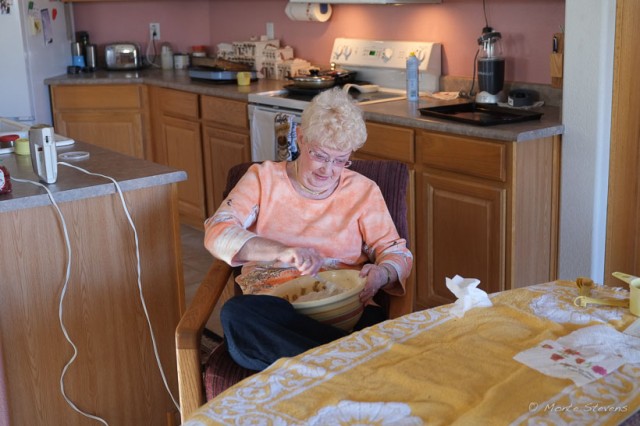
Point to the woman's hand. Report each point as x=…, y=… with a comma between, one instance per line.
x=306, y=260
x=377, y=277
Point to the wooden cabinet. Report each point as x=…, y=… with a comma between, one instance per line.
x=486, y=210
x=110, y=116
x=478, y=208
x=222, y=150
x=461, y=225
x=386, y=142
x=226, y=143
x=115, y=375
x=203, y=135
x=178, y=143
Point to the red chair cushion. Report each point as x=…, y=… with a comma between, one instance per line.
x=222, y=371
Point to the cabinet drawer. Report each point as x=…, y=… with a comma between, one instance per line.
x=175, y=102
x=389, y=142
x=225, y=111
x=97, y=97
x=468, y=156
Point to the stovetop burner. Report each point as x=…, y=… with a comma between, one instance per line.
x=307, y=94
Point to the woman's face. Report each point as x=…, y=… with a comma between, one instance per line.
x=319, y=168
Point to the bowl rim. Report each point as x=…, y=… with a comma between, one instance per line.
x=331, y=299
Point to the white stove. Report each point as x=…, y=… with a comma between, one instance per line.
x=379, y=64
x=286, y=100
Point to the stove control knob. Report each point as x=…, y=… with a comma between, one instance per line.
x=387, y=54
x=347, y=52
x=420, y=55
x=338, y=52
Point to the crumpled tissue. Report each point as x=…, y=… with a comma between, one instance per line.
x=469, y=296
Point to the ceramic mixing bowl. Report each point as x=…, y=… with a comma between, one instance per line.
x=331, y=297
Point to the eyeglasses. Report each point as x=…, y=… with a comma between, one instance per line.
x=321, y=158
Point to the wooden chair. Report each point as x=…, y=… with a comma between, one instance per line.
x=220, y=371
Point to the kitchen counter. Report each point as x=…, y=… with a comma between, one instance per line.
x=171, y=79
x=401, y=113
x=131, y=173
x=94, y=284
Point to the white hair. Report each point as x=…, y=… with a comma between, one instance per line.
x=332, y=120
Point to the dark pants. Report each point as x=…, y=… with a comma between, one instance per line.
x=260, y=329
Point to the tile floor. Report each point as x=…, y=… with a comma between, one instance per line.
x=195, y=264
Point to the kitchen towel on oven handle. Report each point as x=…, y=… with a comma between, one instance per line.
x=263, y=136
x=265, y=129
x=285, y=130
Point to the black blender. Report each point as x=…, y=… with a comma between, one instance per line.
x=490, y=68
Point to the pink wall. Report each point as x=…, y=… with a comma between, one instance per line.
x=527, y=27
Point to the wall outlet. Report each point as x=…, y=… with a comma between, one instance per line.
x=270, y=31
x=154, y=31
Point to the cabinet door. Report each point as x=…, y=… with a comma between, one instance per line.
x=110, y=116
x=461, y=230
x=222, y=150
x=389, y=143
x=182, y=141
x=118, y=131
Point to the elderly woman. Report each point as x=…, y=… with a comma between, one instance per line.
x=284, y=219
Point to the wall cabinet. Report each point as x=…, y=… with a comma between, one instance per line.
x=203, y=135
x=110, y=116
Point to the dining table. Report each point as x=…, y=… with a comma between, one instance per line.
x=545, y=354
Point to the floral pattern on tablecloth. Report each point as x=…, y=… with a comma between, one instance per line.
x=366, y=413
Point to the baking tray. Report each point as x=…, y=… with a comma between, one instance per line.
x=479, y=114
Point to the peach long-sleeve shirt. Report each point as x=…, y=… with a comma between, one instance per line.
x=351, y=227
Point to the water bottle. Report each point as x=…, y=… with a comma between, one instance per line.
x=413, y=87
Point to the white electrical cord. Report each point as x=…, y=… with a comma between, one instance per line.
x=139, y=273
x=152, y=43
x=60, y=304
x=67, y=276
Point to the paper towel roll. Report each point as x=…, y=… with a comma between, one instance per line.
x=314, y=12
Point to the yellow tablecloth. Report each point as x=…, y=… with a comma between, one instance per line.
x=430, y=367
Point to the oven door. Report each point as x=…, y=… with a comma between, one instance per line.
x=273, y=133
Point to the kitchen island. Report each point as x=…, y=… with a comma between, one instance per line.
x=115, y=375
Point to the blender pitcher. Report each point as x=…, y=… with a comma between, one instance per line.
x=490, y=68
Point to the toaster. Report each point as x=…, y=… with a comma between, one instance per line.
x=122, y=56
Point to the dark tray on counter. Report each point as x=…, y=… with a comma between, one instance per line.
x=479, y=114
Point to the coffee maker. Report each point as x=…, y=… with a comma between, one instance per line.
x=490, y=68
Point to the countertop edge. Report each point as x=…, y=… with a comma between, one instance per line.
x=107, y=188
x=400, y=113
x=73, y=184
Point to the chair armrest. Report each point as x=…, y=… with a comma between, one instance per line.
x=189, y=335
